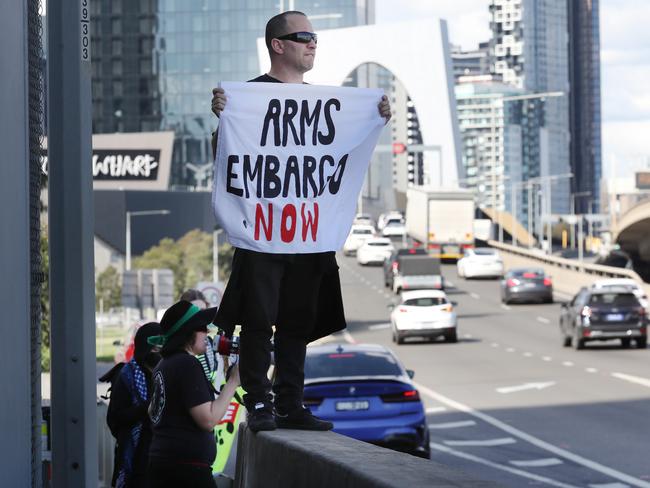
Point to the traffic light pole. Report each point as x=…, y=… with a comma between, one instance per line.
x=74, y=391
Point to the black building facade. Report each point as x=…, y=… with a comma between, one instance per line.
x=584, y=111
x=125, y=87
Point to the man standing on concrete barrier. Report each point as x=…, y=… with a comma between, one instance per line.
x=299, y=294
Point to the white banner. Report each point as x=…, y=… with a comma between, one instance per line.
x=290, y=163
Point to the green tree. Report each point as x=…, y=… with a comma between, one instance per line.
x=196, y=251
x=190, y=258
x=166, y=254
x=108, y=289
x=226, y=252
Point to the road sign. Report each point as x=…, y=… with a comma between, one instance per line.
x=148, y=288
x=213, y=292
x=399, y=148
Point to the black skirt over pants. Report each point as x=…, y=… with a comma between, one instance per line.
x=299, y=294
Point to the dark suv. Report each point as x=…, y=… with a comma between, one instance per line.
x=602, y=314
x=391, y=265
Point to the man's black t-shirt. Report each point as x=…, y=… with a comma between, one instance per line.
x=265, y=79
x=178, y=385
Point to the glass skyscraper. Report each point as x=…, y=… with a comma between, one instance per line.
x=173, y=52
x=530, y=49
x=585, y=118
x=502, y=143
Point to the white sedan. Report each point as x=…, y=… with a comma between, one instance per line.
x=358, y=235
x=394, y=227
x=480, y=262
x=375, y=251
x=424, y=313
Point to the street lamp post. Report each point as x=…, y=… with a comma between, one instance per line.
x=493, y=127
x=137, y=213
x=541, y=180
x=215, y=255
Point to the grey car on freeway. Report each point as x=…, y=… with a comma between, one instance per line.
x=526, y=285
x=601, y=314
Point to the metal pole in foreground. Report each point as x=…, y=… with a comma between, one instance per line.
x=580, y=239
x=530, y=215
x=74, y=394
x=215, y=255
x=20, y=448
x=128, y=242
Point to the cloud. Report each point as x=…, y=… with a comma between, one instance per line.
x=625, y=63
x=468, y=20
x=625, y=147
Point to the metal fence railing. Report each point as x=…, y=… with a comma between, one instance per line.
x=106, y=446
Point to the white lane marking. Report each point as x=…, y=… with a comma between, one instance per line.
x=547, y=358
x=476, y=296
x=480, y=460
x=322, y=340
x=374, y=287
x=591, y=370
x=519, y=472
x=467, y=336
x=494, y=344
x=608, y=485
x=511, y=349
x=503, y=441
x=379, y=326
x=528, y=354
x=449, y=284
x=543, y=320
x=567, y=363
x=558, y=451
x=537, y=463
x=453, y=425
x=386, y=295
x=505, y=307
x=436, y=409
x=524, y=387
x=632, y=379
x=348, y=337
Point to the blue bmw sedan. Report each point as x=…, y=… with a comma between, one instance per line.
x=368, y=395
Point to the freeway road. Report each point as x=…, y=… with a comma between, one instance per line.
x=508, y=403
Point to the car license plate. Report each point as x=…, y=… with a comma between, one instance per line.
x=529, y=285
x=352, y=406
x=614, y=317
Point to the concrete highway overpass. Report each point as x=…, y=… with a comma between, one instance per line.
x=632, y=233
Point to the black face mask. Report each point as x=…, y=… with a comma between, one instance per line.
x=152, y=359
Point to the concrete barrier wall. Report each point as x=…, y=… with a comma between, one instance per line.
x=568, y=275
x=292, y=458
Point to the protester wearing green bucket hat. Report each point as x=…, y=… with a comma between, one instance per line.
x=183, y=408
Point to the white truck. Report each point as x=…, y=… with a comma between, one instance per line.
x=446, y=216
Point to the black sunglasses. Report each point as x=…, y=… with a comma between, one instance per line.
x=301, y=37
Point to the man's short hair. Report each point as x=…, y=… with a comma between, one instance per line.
x=277, y=26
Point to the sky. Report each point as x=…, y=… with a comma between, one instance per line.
x=625, y=66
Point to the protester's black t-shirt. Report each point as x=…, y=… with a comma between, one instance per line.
x=178, y=385
x=265, y=79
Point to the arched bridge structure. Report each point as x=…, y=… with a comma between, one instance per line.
x=418, y=54
x=632, y=233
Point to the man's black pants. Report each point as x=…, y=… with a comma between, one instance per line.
x=280, y=290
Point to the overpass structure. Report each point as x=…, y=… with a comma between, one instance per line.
x=632, y=233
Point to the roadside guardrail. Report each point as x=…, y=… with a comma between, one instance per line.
x=568, y=275
x=284, y=458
